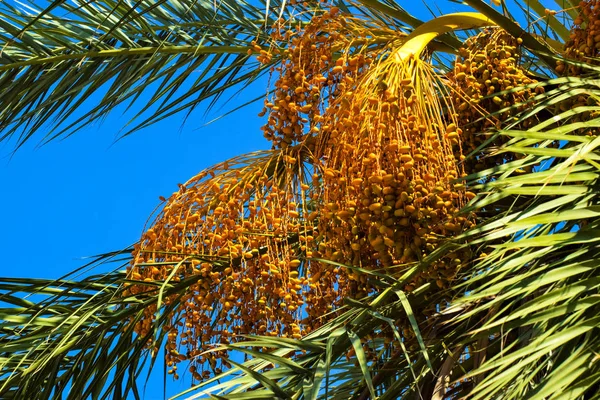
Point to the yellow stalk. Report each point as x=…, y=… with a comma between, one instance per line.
x=424, y=34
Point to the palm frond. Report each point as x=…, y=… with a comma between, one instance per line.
x=330, y=362
x=75, y=338
x=64, y=332
x=175, y=55
x=538, y=284
x=181, y=55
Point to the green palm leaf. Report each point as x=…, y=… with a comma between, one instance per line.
x=181, y=53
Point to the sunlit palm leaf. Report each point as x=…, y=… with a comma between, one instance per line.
x=538, y=286
x=54, y=59
x=322, y=367
x=179, y=53
x=76, y=338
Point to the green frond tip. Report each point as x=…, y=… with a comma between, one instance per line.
x=89, y=56
x=175, y=57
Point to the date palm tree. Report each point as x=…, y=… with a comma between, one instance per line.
x=425, y=223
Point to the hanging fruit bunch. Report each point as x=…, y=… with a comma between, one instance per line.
x=362, y=172
x=323, y=64
x=241, y=230
x=583, y=46
x=389, y=171
x=317, y=67
x=584, y=43
x=486, y=68
x=245, y=229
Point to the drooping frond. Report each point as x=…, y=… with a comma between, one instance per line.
x=69, y=337
x=173, y=55
x=347, y=357
x=534, y=290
